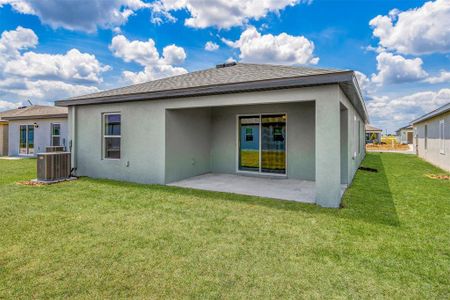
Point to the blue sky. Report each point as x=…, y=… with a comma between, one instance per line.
x=53, y=49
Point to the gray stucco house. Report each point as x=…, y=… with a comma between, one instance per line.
x=256, y=120
x=432, y=137
x=31, y=129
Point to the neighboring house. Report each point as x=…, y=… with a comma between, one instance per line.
x=373, y=134
x=432, y=137
x=32, y=128
x=3, y=136
x=261, y=120
x=405, y=135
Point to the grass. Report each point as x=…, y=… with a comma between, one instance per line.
x=105, y=239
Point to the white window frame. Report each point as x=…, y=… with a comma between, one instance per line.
x=425, y=137
x=27, y=140
x=105, y=136
x=259, y=172
x=53, y=136
x=442, y=136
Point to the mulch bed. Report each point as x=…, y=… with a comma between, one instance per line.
x=43, y=183
x=436, y=176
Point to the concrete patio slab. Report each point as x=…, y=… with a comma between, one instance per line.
x=268, y=187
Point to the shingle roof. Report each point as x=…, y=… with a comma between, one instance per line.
x=34, y=112
x=372, y=128
x=237, y=73
x=236, y=78
x=443, y=109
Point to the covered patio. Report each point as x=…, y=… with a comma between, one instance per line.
x=269, y=150
x=267, y=187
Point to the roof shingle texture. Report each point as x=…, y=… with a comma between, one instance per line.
x=33, y=111
x=238, y=73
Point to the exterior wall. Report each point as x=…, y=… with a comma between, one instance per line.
x=356, y=145
x=3, y=139
x=42, y=134
x=142, y=142
x=143, y=153
x=300, y=137
x=432, y=153
x=160, y=144
x=188, y=143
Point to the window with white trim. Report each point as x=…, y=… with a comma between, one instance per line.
x=442, y=136
x=426, y=137
x=111, y=135
x=55, y=134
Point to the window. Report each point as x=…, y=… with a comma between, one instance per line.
x=262, y=143
x=426, y=137
x=111, y=135
x=441, y=137
x=55, y=132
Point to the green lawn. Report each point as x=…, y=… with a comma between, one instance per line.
x=105, y=239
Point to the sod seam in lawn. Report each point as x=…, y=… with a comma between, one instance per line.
x=100, y=238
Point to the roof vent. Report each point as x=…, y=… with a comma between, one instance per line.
x=226, y=65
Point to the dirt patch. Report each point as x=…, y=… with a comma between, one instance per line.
x=394, y=147
x=36, y=182
x=437, y=176
x=30, y=183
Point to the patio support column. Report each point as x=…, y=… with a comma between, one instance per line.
x=328, y=152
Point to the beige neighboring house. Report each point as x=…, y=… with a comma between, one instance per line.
x=405, y=135
x=432, y=137
x=32, y=128
x=373, y=134
x=3, y=136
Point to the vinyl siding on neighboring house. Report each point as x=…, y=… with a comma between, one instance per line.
x=432, y=152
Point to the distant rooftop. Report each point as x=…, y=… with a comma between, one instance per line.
x=34, y=112
x=372, y=128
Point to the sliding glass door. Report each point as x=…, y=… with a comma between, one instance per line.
x=26, y=143
x=262, y=143
x=249, y=143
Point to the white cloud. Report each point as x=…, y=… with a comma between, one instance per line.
x=392, y=113
x=276, y=49
x=145, y=54
x=444, y=76
x=84, y=15
x=219, y=13
x=6, y=105
x=211, y=46
x=423, y=30
x=43, y=90
x=397, y=69
x=13, y=41
x=72, y=66
x=41, y=76
x=364, y=82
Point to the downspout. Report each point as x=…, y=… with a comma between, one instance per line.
x=72, y=142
